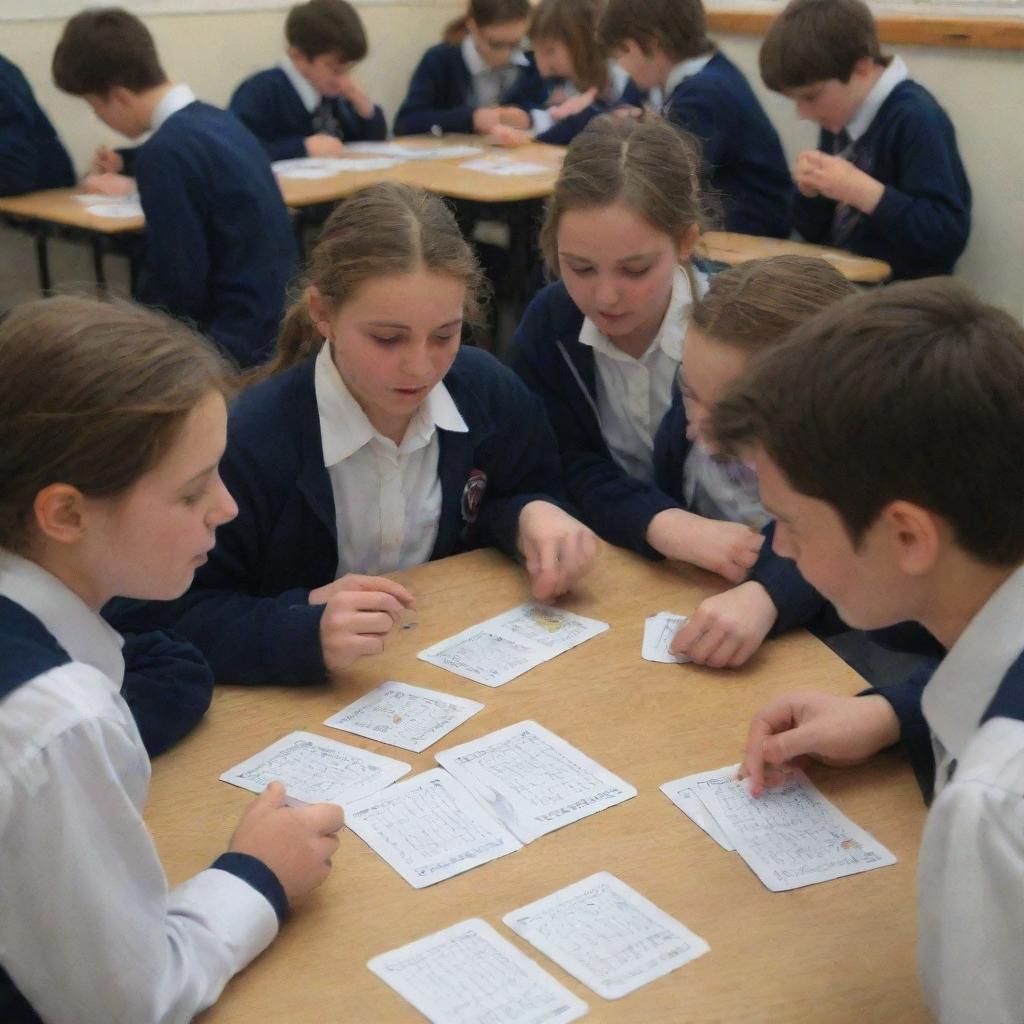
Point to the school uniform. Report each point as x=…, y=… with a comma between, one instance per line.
x=451, y=81
x=965, y=727
x=321, y=494
x=89, y=930
x=905, y=140
x=220, y=250
x=745, y=165
x=622, y=92
x=31, y=155
x=282, y=109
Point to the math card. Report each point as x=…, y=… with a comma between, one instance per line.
x=606, y=935
x=429, y=828
x=684, y=793
x=532, y=780
x=403, y=152
x=314, y=167
x=506, y=166
x=659, y=631
x=314, y=769
x=469, y=974
x=405, y=716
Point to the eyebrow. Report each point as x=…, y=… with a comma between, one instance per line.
x=625, y=259
x=404, y=327
x=201, y=474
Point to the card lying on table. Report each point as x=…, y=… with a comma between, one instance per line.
x=659, y=631
x=685, y=794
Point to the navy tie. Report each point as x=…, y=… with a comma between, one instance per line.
x=324, y=120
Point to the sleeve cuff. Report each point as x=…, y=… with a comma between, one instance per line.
x=253, y=871
x=541, y=121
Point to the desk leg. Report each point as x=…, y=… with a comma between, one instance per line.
x=97, y=266
x=43, y=262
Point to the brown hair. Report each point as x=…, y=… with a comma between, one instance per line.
x=677, y=27
x=817, y=40
x=102, y=49
x=647, y=164
x=326, y=26
x=92, y=394
x=486, y=13
x=913, y=392
x=571, y=22
x=385, y=229
x=758, y=304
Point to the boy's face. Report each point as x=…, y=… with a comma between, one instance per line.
x=328, y=73
x=497, y=43
x=649, y=70
x=118, y=109
x=832, y=103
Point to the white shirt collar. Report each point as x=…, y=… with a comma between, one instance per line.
x=344, y=427
x=670, y=334
x=967, y=678
x=685, y=69
x=895, y=73
x=619, y=79
x=302, y=85
x=75, y=626
x=174, y=99
x=478, y=66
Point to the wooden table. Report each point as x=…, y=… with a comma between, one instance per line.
x=733, y=248
x=840, y=951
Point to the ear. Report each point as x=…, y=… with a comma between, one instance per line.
x=298, y=58
x=863, y=67
x=60, y=514
x=319, y=311
x=471, y=26
x=915, y=536
x=120, y=96
x=687, y=242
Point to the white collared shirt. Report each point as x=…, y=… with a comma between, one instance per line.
x=387, y=497
x=971, y=864
x=633, y=395
x=490, y=84
x=307, y=94
x=683, y=70
x=81, y=885
x=177, y=97
x=895, y=73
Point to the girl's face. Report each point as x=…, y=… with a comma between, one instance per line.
x=392, y=341
x=619, y=269
x=708, y=367
x=553, y=59
x=497, y=43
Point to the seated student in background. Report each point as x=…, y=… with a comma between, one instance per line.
x=888, y=436
x=475, y=85
x=886, y=179
x=311, y=103
x=663, y=44
x=376, y=443
x=561, y=33
x=123, y=412
x=31, y=155
x=602, y=345
x=219, y=247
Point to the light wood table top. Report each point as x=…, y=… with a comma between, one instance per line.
x=733, y=248
x=840, y=951
x=58, y=206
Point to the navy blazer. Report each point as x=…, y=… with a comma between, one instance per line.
x=248, y=610
x=268, y=105
x=441, y=88
x=564, y=131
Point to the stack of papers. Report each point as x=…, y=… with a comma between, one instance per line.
x=403, y=152
x=312, y=167
x=506, y=165
x=659, y=631
x=114, y=207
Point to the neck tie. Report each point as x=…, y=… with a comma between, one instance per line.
x=324, y=120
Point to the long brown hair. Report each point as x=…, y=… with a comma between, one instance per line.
x=386, y=229
x=92, y=394
x=571, y=22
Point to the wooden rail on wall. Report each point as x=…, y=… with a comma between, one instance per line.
x=925, y=30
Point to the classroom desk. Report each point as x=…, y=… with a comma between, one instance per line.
x=733, y=248
x=837, y=952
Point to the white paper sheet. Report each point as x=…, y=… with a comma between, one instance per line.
x=469, y=974
x=684, y=794
x=403, y=152
x=429, y=828
x=314, y=769
x=606, y=935
x=659, y=631
x=532, y=780
x=497, y=651
x=114, y=207
x=792, y=836
x=506, y=166
x=404, y=716
x=312, y=167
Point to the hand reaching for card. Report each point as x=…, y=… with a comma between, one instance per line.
x=559, y=550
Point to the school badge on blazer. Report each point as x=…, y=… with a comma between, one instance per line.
x=473, y=494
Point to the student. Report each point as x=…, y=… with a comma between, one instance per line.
x=122, y=412
x=311, y=104
x=886, y=179
x=663, y=44
x=478, y=84
x=374, y=444
x=31, y=155
x=602, y=345
x=566, y=50
x=219, y=247
x=888, y=436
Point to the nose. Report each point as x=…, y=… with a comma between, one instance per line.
x=416, y=363
x=606, y=292
x=224, y=507
x=780, y=542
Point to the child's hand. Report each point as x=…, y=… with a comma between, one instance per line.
x=818, y=173
x=728, y=628
x=730, y=549
x=352, y=91
x=509, y=137
x=360, y=612
x=514, y=117
x=296, y=843
x=109, y=184
x=558, y=549
x=106, y=161
x=573, y=105
x=324, y=145
x=486, y=119
x=831, y=729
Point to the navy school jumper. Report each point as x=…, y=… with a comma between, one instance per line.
x=31, y=155
x=745, y=167
x=441, y=89
x=220, y=250
x=922, y=221
x=268, y=105
x=248, y=609
x=563, y=132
